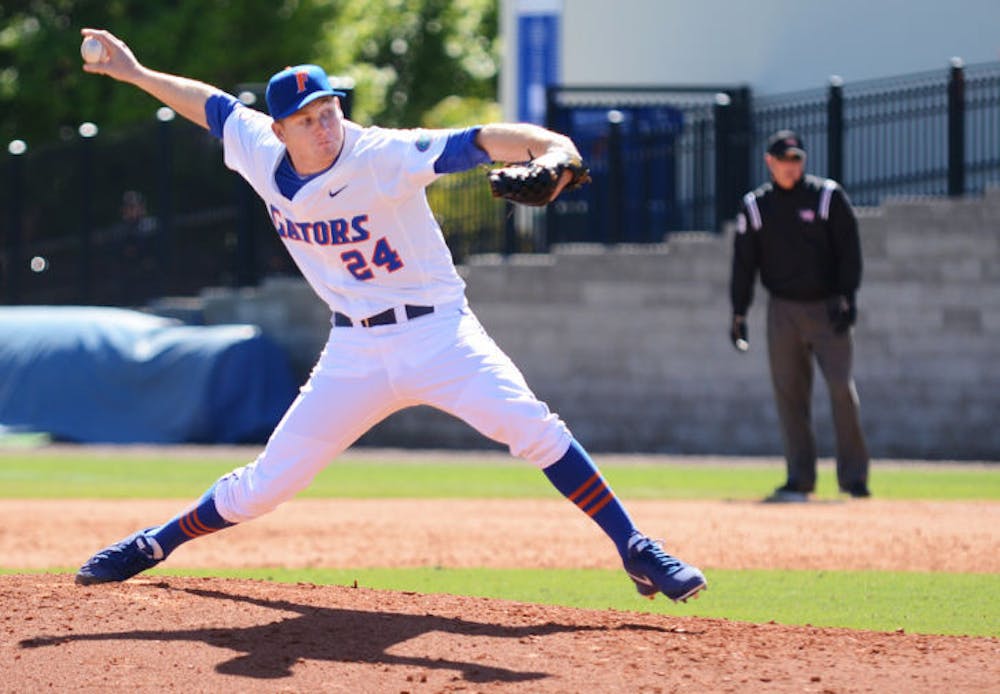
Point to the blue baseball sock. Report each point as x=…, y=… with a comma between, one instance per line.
x=579, y=480
x=201, y=520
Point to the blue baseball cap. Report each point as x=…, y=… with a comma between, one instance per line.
x=294, y=87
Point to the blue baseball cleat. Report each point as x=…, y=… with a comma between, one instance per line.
x=122, y=560
x=654, y=571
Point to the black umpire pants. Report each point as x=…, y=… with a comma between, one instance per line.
x=797, y=332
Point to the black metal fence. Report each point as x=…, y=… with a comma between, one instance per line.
x=653, y=158
x=118, y=218
x=934, y=133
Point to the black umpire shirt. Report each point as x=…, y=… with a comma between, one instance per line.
x=804, y=242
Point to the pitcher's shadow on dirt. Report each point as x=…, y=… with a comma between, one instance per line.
x=340, y=635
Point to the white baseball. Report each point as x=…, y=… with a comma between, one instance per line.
x=91, y=50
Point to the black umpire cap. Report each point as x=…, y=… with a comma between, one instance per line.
x=786, y=144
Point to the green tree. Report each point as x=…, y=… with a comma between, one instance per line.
x=413, y=62
x=407, y=56
x=44, y=92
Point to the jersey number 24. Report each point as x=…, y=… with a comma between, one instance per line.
x=384, y=257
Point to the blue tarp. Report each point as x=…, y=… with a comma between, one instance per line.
x=108, y=375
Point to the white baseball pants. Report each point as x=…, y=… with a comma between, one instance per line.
x=444, y=359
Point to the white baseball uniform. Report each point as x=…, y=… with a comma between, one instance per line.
x=365, y=239
x=367, y=242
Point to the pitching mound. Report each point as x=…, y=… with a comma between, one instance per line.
x=238, y=635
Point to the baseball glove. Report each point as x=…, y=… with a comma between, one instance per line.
x=534, y=182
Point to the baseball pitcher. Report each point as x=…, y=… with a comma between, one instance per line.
x=349, y=205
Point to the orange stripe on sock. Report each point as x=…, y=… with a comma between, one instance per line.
x=197, y=525
x=185, y=528
x=583, y=487
x=601, y=504
x=584, y=502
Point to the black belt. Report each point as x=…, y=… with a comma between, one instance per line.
x=387, y=317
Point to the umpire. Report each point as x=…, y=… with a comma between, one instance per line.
x=800, y=233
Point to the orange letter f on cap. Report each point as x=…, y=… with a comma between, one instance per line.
x=300, y=80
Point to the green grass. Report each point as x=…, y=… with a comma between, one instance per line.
x=928, y=603
x=36, y=475
x=881, y=601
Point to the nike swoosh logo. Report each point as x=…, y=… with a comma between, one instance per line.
x=640, y=579
x=335, y=193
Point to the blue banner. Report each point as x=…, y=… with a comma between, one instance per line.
x=538, y=63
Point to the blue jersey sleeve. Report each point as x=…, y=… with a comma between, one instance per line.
x=461, y=152
x=217, y=110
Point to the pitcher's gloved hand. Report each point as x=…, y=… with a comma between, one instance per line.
x=842, y=312
x=738, y=334
x=538, y=181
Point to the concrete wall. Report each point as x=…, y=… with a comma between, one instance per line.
x=630, y=344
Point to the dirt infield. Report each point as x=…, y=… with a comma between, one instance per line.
x=870, y=534
x=201, y=635
x=235, y=635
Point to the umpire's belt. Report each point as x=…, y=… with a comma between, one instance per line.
x=387, y=317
